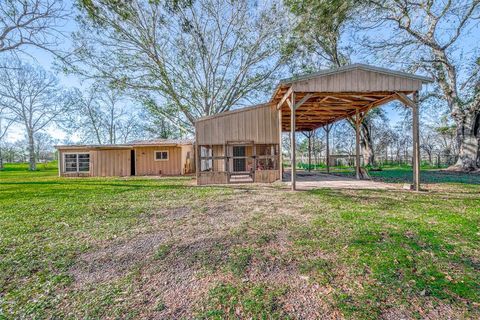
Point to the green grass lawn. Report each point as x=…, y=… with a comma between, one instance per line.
x=403, y=174
x=165, y=248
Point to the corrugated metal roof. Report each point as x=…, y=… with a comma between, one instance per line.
x=355, y=66
x=136, y=143
x=162, y=141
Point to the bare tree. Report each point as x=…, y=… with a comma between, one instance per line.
x=104, y=116
x=33, y=97
x=426, y=35
x=317, y=42
x=199, y=59
x=26, y=23
x=5, y=122
x=44, y=149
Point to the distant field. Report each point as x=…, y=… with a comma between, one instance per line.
x=165, y=248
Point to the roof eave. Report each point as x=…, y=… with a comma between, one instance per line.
x=291, y=80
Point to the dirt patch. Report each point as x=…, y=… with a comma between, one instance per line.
x=200, y=241
x=115, y=259
x=430, y=310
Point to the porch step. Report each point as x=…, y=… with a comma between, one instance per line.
x=241, y=178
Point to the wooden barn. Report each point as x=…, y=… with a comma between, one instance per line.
x=139, y=158
x=244, y=145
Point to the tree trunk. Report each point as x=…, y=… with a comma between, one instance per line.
x=468, y=128
x=31, y=152
x=366, y=144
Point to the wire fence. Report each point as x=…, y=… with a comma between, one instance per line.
x=320, y=162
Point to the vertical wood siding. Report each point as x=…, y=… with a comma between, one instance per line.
x=259, y=124
x=358, y=81
x=147, y=166
x=103, y=163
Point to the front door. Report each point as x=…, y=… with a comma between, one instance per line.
x=239, y=164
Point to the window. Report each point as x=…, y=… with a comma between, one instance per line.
x=77, y=162
x=161, y=155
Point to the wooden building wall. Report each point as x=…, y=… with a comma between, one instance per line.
x=103, y=163
x=358, y=81
x=146, y=165
x=117, y=162
x=258, y=124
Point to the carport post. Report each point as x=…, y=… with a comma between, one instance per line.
x=416, y=144
x=292, y=143
x=280, y=157
x=310, y=151
x=357, y=145
x=327, y=132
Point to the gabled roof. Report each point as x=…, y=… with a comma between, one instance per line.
x=355, y=66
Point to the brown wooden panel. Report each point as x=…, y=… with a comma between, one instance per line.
x=258, y=124
x=205, y=178
x=267, y=176
x=358, y=81
x=147, y=165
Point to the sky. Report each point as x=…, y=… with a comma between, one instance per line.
x=46, y=60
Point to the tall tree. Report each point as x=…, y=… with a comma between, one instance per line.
x=104, y=116
x=25, y=23
x=33, y=97
x=428, y=36
x=197, y=57
x=317, y=43
x=5, y=122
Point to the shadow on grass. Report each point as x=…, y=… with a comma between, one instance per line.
x=403, y=175
x=411, y=246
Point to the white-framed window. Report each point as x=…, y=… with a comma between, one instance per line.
x=161, y=155
x=76, y=162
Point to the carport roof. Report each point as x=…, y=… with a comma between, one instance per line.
x=331, y=95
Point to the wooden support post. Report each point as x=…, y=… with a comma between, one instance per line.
x=254, y=147
x=280, y=158
x=416, y=143
x=357, y=145
x=225, y=154
x=309, y=151
x=198, y=162
x=327, y=132
x=292, y=143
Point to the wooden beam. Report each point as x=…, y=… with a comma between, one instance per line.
x=327, y=133
x=280, y=160
x=302, y=101
x=416, y=143
x=364, y=98
x=341, y=99
x=284, y=98
x=292, y=145
x=405, y=100
x=197, y=160
x=357, y=145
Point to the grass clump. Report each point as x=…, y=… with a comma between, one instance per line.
x=239, y=260
x=162, y=251
x=245, y=301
